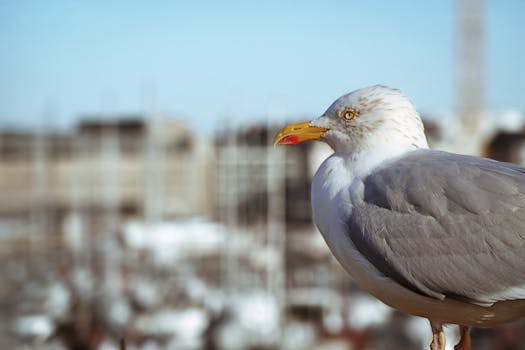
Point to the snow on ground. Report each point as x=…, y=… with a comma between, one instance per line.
x=173, y=240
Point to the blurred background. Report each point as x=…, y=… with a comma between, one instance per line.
x=141, y=198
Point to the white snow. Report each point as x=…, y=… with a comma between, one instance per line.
x=175, y=240
x=366, y=311
x=186, y=326
x=39, y=326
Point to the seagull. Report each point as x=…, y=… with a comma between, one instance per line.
x=434, y=234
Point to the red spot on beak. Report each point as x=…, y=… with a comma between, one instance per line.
x=289, y=140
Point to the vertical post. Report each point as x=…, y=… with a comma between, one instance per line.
x=470, y=69
x=276, y=218
x=110, y=156
x=153, y=208
x=76, y=228
x=230, y=189
x=40, y=194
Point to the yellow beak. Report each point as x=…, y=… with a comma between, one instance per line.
x=297, y=133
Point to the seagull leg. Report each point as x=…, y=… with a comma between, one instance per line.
x=438, y=336
x=464, y=342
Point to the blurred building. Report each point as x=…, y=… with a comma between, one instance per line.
x=507, y=146
x=498, y=135
x=121, y=163
x=174, y=241
x=251, y=148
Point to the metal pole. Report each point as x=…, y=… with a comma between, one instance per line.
x=276, y=217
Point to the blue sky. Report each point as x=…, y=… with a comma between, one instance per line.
x=217, y=62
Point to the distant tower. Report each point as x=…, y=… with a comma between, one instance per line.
x=470, y=64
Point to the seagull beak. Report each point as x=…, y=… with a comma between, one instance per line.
x=297, y=133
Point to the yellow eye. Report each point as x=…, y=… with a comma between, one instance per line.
x=350, y=114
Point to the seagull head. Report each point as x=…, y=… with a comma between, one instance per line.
x=371, y=118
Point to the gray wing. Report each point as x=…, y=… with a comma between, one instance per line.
x=445, y=225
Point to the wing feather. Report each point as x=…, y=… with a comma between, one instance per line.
x=445, y=225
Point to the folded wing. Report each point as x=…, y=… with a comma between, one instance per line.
x=445, y=225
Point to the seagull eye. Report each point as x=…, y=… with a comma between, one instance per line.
x=350, y=114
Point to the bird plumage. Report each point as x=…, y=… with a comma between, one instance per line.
x=465, y=215
x=431, y=233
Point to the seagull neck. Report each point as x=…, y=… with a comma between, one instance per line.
x=360, y=164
